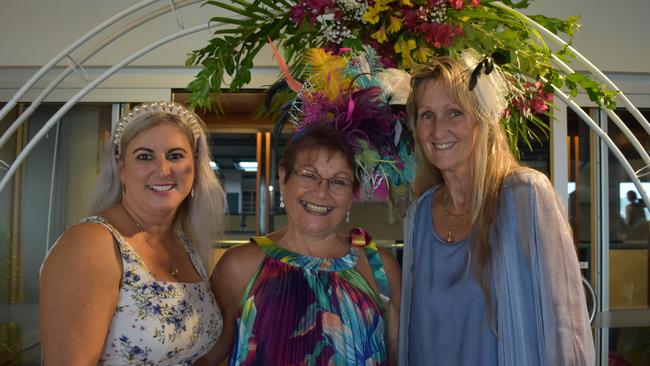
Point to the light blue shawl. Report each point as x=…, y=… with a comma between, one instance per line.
x=540, y=303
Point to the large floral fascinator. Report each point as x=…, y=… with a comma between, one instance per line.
x=365, y=103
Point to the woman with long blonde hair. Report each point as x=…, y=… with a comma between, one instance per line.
x=490, y=273
x=129, y=285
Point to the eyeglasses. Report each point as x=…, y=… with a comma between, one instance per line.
x=336, y=185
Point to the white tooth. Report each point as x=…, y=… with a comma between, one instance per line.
x=443, y=146
x=316, y=208
x=161, y=188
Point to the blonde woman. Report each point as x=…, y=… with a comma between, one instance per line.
x=129, y=285
x=490, y=273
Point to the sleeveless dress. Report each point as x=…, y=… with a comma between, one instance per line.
x=302, y=310
x=158, y=322
x=453, y=322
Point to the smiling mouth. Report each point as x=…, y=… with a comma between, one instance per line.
x=444, y=146
x=316, y=209
x=161, y=187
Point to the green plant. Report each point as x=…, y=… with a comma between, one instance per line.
x=403, y=32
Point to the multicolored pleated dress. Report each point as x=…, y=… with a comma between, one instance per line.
x=301, y=310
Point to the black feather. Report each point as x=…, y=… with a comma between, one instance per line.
x=474, y=78
x=489, y=65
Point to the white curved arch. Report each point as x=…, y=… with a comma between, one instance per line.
x=105, y=24
x=594, y=127
x=617, y=120
x=98, y=47
x=579, y=57
x=603, y=136
x=21, y=157
x=90, y=86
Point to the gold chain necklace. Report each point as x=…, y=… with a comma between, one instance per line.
x=173, y=270
x=450, y=228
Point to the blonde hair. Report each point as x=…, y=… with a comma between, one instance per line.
x=200, y=215
x=491, y=160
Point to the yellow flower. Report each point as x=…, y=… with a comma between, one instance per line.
x=423, y=54
x=372, y=15
x=395, y=24
x=380, y=35
x=404, y=47
x=407, y=3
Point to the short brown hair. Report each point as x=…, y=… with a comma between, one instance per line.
x=320, y=136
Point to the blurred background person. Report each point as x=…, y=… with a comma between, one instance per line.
x=635, y=220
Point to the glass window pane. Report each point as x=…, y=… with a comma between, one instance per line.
x=629, y=346
x=628, y=222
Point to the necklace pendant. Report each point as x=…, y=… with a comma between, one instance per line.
x=450, y=237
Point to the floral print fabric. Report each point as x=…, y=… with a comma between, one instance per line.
x=157, y=322
x=301, y=310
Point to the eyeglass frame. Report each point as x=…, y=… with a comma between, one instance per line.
x=298, y=174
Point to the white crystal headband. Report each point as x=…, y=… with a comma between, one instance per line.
x=153, y=108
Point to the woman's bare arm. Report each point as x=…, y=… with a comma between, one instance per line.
x=228, y=281
x=79, y=289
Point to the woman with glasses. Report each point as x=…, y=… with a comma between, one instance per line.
x=307, y=294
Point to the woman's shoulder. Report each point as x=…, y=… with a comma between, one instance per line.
x=243, y=257
x=89, y=231
x=87, y=246
x=526, y=178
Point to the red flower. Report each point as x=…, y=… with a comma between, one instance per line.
x=534, y=100
x=457, y=4
x=440, y=35
x=476, y=3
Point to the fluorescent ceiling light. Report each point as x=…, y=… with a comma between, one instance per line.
x=247, y=166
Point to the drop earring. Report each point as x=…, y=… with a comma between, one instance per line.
x=123, y=190
x=347, y=217
x=192, y=192
x=281, y=200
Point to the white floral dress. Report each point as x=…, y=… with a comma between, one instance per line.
x=157, y=322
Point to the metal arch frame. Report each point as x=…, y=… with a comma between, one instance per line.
x=628, y=105
x=633, y=175
x=91, y=85
x=66, y=53
x=85, y=90
x=592, y=125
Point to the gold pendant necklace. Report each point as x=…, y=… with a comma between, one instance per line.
x=450, y=228
x=173, y=270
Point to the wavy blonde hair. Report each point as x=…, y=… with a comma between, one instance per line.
x=491, y=160
x=200, y=216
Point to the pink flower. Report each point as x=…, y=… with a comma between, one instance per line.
x=410, y=19
x=440, y=35
x=476, y=3
x=534, y=100
x=457, y=4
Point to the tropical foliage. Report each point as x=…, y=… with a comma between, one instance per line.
x=403, y=33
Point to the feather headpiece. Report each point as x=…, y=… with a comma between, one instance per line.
x=361, y=99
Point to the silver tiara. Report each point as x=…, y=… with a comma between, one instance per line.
x=157, y=107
